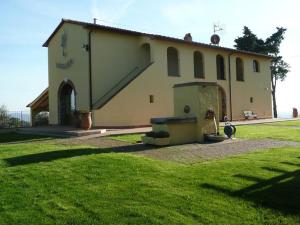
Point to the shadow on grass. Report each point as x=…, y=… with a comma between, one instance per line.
x=291, y=164
x=69, y=153
x=281, y=192
x=13, y=138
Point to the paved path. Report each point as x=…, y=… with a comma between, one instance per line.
x=118, y=132
x=260, y=121
x=192, y=153
x=147, y=129
x=94, y=133
x=188, y=153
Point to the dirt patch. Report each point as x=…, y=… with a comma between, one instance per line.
x=188, y=153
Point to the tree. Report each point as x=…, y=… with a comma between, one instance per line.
x=3, y=116
x=250, y=42
x=271, y=46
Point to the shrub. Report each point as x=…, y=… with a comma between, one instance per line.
x=42, y=119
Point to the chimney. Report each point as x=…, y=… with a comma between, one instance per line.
x=95, y=20
x=188, y=37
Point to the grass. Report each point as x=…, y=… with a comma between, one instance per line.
x=287, y=123
x=51, y=183
x=13, y=137
x=267, y=131
x=131, y=138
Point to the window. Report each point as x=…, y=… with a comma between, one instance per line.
x=251, y=99
x=239, y=69
x=220, y=67
x=151, y=98
x=173, y=62
x=73, y=100
x=198, y=65
x=145, y=54
x=255, y=66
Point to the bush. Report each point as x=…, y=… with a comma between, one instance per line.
x=3, y=116
x=42, y=119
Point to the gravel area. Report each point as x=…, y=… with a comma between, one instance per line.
x=188, y=153
x=191, y=153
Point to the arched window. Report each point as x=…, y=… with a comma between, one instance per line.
x=255, y=66
x=239, y=69
x=220, y=67
x=173, y=62
x=198, y=65
x=73, y=100
x=145, y=56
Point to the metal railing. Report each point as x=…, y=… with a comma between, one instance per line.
x=15, y=119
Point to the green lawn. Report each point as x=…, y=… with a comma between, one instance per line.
x=288, y=123
x=17, y=138
x=268, y=131
x=44, y=182
x=131, y=138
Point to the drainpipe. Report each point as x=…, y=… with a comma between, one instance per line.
x=229, y=84
x=89, y=48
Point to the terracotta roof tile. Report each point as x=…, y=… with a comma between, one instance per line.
x=155, y=36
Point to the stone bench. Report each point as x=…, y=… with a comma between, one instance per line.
x=249, y=115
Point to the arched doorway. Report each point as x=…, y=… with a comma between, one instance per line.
x=67, y=103
x=222, y=104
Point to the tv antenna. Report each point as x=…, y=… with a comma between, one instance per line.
x=218, y=28
x=215, y=38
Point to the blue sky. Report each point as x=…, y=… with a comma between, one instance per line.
x=26, y=24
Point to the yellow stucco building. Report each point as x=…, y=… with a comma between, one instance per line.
x=125, y=77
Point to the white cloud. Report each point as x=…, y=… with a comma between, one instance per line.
x=110, y=12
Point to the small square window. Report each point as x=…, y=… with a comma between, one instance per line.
x=151, y=98
x=251, y=99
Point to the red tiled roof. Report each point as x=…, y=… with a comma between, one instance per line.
x=154, y=36
x=43, y=95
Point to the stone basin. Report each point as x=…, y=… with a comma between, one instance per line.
x=215, y=137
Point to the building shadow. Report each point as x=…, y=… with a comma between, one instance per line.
x=69, y=153
x=14, y=138
x=280, y=193
x=291, y=164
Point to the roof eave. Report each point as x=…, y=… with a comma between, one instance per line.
x=39, y=97
x=160, y=37
x=46, y=44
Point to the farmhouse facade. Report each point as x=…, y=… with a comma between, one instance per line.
x=126, y=77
